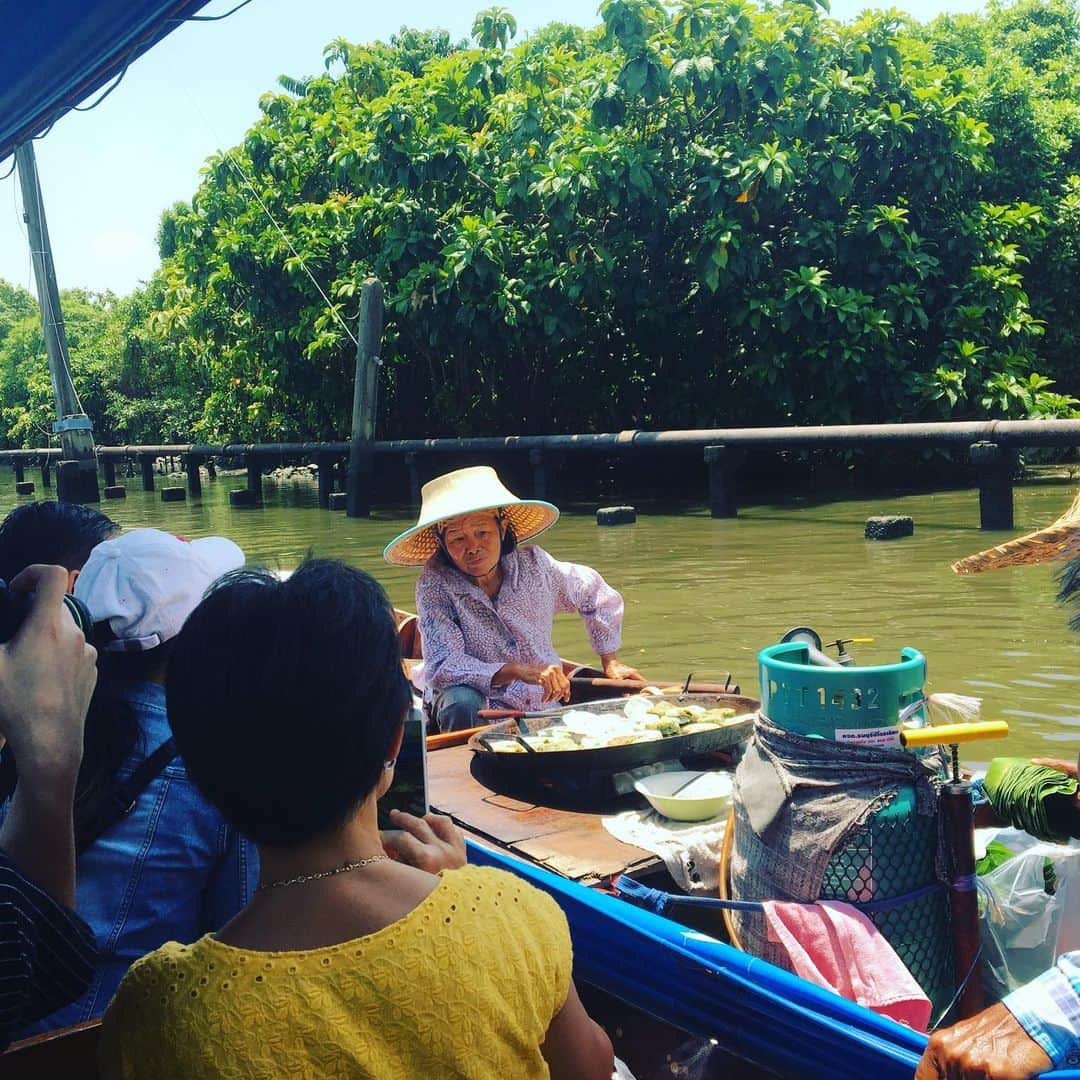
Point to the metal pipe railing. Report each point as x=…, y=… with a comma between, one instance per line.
x=1013, y=433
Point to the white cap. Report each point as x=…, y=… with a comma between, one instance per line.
x=146, y=582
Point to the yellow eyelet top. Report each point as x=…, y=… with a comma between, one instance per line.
x=465, y=985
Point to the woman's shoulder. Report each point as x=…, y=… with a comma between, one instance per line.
x=498, y=891
x=170, y=957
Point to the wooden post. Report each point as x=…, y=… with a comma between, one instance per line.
x=721, y=482
x=959, y=834
x=46, y=474
x=146, y=464
x=995, y=466
x=365, y=399
x=211, y=469
x=194, y=479
x=108, y=470
x=540, y=474
x=19, y=468
x=414, y=481
x=326, y=479
x=254, y=476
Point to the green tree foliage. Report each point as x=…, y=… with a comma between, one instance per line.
x=701, y=212
x=125, y=372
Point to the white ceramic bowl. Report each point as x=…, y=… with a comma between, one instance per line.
x=706, y=794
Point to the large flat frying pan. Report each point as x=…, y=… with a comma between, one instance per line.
x=554, y=765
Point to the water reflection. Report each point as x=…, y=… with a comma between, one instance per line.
x=706, y=595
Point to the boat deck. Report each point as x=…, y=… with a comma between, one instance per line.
x=570, y=841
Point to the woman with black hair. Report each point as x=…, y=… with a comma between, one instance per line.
x=287, y=700
x=485, y=605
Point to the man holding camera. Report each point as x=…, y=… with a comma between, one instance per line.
x=47, y=675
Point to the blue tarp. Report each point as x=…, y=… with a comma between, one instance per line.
x=711, y=990
x=55, y=53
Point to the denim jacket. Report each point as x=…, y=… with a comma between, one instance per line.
x=171, y=869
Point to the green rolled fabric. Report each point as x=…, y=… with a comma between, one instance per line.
x=1018, y=791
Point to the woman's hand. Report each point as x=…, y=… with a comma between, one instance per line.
x=614, y=670
x=549, y=676
x=430, y=843
x=47, y=676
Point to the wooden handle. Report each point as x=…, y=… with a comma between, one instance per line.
x=946, y=734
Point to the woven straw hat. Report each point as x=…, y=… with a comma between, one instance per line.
x=466, y=491
x=1061, y=540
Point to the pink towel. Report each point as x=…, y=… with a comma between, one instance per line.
x=834, y=945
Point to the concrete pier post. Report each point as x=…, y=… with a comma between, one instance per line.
x=414, y=481
x=46, y=474
x=326, y=479
x=194, y=477
x=361, y=474
x=540, y=473
x=108, y=471
x=721, y=482
x=995, y=467
x=19, y=468
x=254, y=475
x=146, y=465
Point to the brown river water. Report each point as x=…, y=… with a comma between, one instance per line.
x=705, y=596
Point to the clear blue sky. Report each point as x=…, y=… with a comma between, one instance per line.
x=106, y=175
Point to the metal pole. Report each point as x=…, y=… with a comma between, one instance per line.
x=76, y=432
x=365, y=399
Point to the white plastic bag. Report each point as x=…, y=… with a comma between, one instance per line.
x=1024, y=928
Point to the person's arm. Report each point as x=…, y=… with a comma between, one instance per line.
x=1031, y=1031
x=582, y=589
x=576, y=1046
x=446, y=659
x=551, y=677
x=47, y=953
x=47, y=675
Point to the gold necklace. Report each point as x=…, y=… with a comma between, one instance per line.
x=343, y=868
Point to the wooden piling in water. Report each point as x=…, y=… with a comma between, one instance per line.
x=540, y=474
x=721, y=482
x=108, y=471
x=414, y=481
x=194, y=479
x=326, y=463
x=995, y=466
x=365, y=399
x=254, y=476
x=146, y=464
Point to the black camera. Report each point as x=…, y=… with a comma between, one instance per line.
x=15, y=606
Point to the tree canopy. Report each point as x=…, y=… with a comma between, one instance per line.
x=700, y=213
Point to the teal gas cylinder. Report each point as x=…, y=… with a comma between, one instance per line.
x=893, y=853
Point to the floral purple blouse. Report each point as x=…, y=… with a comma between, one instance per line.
x=467, y=636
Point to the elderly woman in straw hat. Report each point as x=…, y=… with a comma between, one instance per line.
x=1036, y=1027
x=486, y=605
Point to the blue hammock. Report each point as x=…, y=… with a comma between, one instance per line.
x=688, y=979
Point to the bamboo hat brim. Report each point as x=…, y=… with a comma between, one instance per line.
x=1060, y=540
x=466, y=491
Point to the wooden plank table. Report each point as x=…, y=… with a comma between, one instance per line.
x=572, y=842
